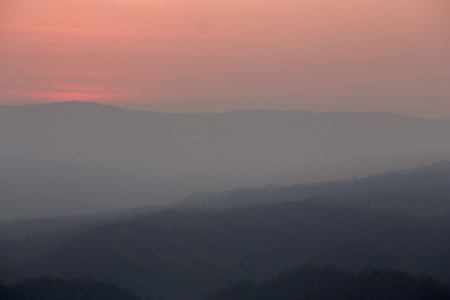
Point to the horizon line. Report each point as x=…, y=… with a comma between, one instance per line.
x=124, y=107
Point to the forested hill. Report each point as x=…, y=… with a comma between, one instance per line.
x=189, y=255
x=326, y=283
x=422, y=191
x=72, y=158
x=48, y=288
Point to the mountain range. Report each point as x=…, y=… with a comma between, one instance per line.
x=76, y=157
x=191, y=251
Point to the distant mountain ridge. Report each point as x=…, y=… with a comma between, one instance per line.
x=422, y=191
x=71, y=158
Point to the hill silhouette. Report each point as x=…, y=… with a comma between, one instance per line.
x=422, y=191
x=320, y=283
x=57, y=289
x=187, y=255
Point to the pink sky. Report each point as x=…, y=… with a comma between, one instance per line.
x=203, y=55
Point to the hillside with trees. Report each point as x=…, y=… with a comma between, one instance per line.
x=186, y=255
x=57, y=289
x=422, y=191
x=194, y=250
x=324, y=283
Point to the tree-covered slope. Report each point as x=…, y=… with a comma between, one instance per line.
x=186, y=255
x=326, y=283
x=59, y=289
x=422, y=191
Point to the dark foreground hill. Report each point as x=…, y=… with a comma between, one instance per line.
x=326, y=283
x=189, y=255
x=58, y=289
x=70, y=158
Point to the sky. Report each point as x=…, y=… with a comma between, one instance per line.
x=219, y=55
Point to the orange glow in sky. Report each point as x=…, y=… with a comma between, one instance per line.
x=202, y=55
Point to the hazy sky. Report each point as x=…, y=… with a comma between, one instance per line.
x=217, y=55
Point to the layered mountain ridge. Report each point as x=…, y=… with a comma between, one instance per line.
x=71, y=158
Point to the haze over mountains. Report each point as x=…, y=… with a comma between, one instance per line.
x=422, y=191
x=69, y=158
x=392, y=221
x=75, y=158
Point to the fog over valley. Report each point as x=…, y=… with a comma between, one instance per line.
x=76, y=157
x=224, y=150
x=101, y=202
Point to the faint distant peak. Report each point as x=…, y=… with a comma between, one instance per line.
x=69, y=107
x=296, y=111
x=440, y=166
x=73, y=104
x=95, y=107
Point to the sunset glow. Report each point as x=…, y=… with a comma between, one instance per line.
x=184, y=56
